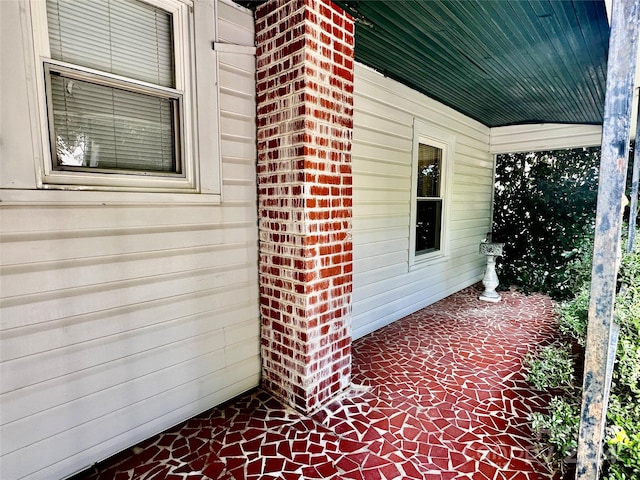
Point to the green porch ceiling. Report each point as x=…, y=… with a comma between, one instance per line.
x=501, y=62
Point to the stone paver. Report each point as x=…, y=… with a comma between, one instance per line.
x=438, y=395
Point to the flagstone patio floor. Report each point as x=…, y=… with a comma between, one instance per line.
x=438, y=395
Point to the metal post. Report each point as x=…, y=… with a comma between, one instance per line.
x=613, y=170
x=633, y=208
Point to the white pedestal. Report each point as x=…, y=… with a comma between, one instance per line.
x=490, y=281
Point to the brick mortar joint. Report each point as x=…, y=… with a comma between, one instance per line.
x=338, y=45
x=311, y=33
x=310, y=133
x=336, y=303
x=307, y=80
x=283, y=13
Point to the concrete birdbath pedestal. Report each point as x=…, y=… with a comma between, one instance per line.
x=490, y=280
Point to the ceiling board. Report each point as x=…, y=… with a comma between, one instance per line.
x=501, y=62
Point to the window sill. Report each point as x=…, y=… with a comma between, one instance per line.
x=428, y=260
x=75, y=197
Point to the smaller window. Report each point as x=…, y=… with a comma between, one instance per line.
x=429, y=201
x=433, y=151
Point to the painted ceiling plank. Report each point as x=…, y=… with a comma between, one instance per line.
x=517, y=21
x=595, y=35
x=520, y=88
x=501, y=62
x=563, y=22
x=485, y=88
x=516, y=89
x=439, y=93
x=414, y=55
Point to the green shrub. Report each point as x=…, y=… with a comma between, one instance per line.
x=626, y=450
x=622, y=458
x=623, y=416
x=559, y=429
x=627, y=373
x=544, y=211
x=573, y=316
x=630, y=266
x=551, y=368
x=578, y=269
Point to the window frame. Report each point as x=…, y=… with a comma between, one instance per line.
x=429, y=134
x=70, y=71
x=193, y=67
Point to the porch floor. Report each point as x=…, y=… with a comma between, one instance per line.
x=437, y=395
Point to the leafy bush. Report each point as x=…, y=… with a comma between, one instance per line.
x=573, y=316
x=623, y=416
x=626, y=450
x=552, y=368
x=550, y=371
x=544, y=211
x=626, y=375
x=623, y=441
x=560, y=430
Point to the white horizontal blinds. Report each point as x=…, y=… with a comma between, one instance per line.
x=103, y=127
x=144, y=144
x=107, y=125
x=124, y=37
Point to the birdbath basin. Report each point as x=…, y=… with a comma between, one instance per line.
x=491, y=248
x=490, y=279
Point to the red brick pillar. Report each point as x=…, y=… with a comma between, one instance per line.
x=305, y=125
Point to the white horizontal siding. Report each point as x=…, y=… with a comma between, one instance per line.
x=235, y=24
x=120, y=318
x=540, y=137
x=385, y=287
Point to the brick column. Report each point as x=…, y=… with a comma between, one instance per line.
x=305, y=125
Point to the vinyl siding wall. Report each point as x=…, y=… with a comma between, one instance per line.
x=121, y=318
x=386, y=287
x=540, y=137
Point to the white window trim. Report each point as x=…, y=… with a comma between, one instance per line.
x=194, y=36
x=430, y=134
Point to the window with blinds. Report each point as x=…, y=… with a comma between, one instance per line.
x=114, y=102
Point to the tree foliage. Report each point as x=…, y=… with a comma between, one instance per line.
x=545, y=207
x=544, y=210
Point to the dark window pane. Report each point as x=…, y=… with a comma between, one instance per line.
x=428, y=221
x=429, y=165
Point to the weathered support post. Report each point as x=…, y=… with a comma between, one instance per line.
x=613, y=170
x=633, y=208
